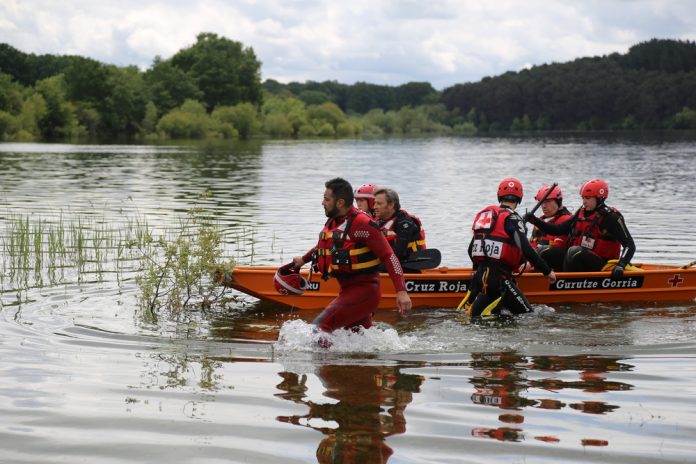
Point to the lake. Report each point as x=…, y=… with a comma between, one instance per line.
x=86, y=377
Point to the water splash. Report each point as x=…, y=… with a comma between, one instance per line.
x=298, y=335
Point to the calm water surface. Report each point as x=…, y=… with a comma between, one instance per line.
x=85, y=377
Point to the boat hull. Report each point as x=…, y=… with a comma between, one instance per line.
x=445, y=287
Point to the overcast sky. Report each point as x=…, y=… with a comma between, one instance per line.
x=443, y=42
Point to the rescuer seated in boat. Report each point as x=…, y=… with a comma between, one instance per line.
x=551, y=247
x=403, y=230
x=350, y=249
x=365, y=198
x=498, y=246
x=597, y=233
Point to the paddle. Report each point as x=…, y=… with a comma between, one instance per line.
x=423, y=259
x=687, y=266
x=543, y=199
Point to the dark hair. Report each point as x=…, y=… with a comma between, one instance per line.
x=392, y=197
x=341, y=189
x=513, y=198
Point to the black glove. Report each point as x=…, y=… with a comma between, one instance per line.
x=617, y=273
x=529, y=217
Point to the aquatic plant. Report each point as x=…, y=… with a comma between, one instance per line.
x=175, y=269
x=179, y=267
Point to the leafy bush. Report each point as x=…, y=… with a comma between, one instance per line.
x=188, y=121
x=6, y=123
x=277, y=125
x=178, y=269
x=243, y=117
x=328, y=112
x=326, y=130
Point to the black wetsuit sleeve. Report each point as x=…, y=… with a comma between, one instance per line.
x=518, y=233
x=559, y=228
x=406, y=231
x=616, y=227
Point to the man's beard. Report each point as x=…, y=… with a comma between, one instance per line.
x=333, y=212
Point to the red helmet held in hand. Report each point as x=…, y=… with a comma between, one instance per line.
x=288, y=281
x=366, y=191
x=510, y=187
x=594, y=188
x=555, y=194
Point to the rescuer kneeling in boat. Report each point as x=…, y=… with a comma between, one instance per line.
x=403, y=230
x=597, y=233
x=350, y=248
x=551, y=247
x=499, y=246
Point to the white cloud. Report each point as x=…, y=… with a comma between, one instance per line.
x=440, y=41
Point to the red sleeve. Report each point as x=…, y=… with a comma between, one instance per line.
x=307, y=257
x=365, y=231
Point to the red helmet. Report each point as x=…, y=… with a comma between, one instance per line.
x=510, y=187
x=367, y=191
x=555, y=194
x=288, y=281
x=594, y=188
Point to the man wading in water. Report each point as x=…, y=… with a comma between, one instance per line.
x=350, y=248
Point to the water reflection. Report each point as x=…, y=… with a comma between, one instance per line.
x=369, y=407
x=502, y=380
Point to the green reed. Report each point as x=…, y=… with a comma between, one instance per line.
x=43, y=246
x=173, y=268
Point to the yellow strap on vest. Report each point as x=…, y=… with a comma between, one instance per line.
x=611, y=264
x=359, y=251
x=414, y=245
x=374, y=262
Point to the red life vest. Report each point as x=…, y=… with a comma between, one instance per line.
x=587, y=232
x=540, y=238
x=337, y=253
x=390, y=233
x=491, y=242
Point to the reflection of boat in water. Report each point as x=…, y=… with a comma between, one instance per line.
x=501, y=380
x=445, y=287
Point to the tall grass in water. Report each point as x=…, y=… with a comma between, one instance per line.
x=40, y=251
x=173, y=269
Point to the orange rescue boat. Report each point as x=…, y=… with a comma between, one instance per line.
x=445, y=287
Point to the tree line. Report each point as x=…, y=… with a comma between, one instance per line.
x=213, y=88
x=653, y=86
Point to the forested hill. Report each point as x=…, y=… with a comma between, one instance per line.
x=649, y=87
x=213, y=88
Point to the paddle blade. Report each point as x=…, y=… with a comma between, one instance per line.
x=423, y=259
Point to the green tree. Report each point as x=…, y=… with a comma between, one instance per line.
x=169, y=86
x=59, y=119
x=413, y=94
x=387, y=123
x=10, y=94
x=149, y=124
x=33, y=111
x=87, y=80
x=243, y=117
x=326, y=112
x=7, y=122
x=314, y=97
x=226, y=72
x=188, y=121
x=277, y=125
x=124, y=108
x=685, y=119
